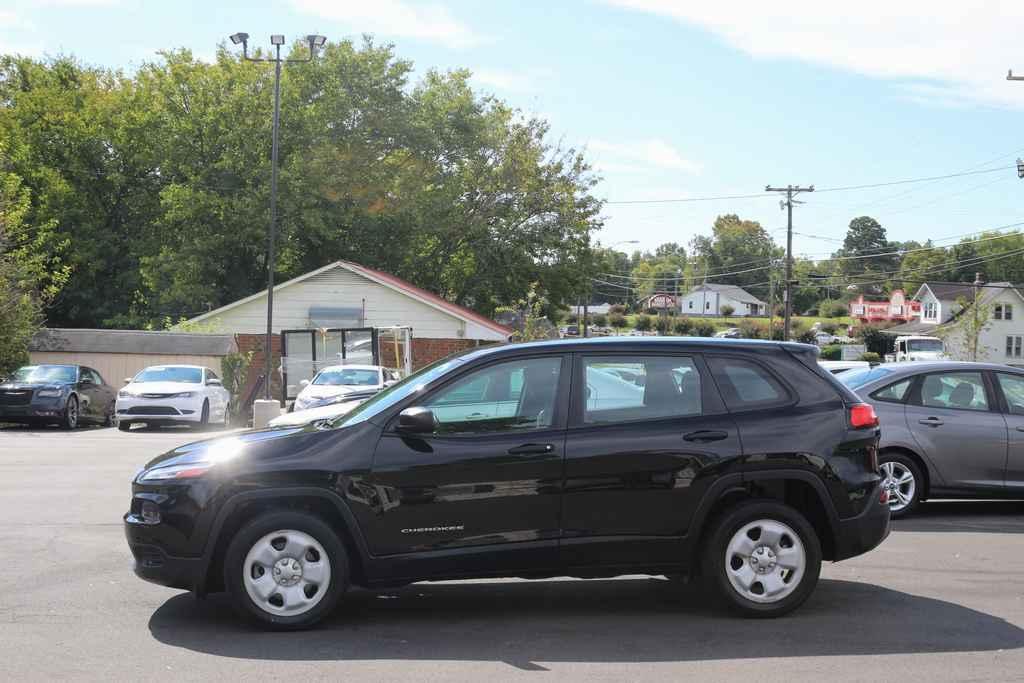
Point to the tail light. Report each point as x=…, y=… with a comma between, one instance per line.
x=862, y=416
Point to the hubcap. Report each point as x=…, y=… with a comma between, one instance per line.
x=286, y=572
x=899, y=482
x=765, y=561
x=72, y=413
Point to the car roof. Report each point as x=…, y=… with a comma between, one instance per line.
x=351, y=367
x=638, y=344
x=175, y=365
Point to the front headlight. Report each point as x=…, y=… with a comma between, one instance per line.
x=190, y=471
x=50, y=393
x=184, y=394
x=124, y=393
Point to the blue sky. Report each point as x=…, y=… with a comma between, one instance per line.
x=672, y=99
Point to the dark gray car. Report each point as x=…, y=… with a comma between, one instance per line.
x=949, y=429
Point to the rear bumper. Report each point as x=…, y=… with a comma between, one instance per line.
x=860, y=534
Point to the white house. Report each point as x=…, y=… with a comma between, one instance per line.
x=1002, y=337
x=707, y=299
x=340, y=313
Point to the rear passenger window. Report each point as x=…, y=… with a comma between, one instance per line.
x=746, y=385
x=894, y=393
x=626, y=388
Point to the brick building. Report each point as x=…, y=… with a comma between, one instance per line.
x=345, y=312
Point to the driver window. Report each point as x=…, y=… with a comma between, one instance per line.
x=515, y=395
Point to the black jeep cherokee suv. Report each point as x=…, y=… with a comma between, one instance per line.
x=739, y=461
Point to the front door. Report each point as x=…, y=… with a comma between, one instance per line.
x=643, y=427
x=955, y=419
x=489, y=475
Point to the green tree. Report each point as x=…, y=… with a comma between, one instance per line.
x=867, y=241
x=962, y=335
x=739, y=247
x=726, y=310
x=643, y=322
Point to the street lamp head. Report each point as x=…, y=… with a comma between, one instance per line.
x=237, y=38
x=316, y=41
x=277, y=39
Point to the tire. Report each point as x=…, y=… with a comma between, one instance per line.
x=904, y=493
x=749, y=574
x=70, y=417
x=124, y=425
x=204, y=417
x=256, y=550
x=108, y=419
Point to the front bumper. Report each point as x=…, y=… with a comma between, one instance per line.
x=860, y=534
x=38, y=409
x=154, y=564
x=168, y=410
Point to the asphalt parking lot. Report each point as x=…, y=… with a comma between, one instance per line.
x=941, y=600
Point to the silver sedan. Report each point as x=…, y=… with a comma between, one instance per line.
x=949, y=429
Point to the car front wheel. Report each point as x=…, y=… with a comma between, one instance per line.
x=70, y=420
x=764, y=558
x=286, y=569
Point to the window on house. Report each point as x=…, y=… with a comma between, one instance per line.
x=1003, y=312
x=1014, y=346
x=931, y=310
x=707, y=305
x=691, y=305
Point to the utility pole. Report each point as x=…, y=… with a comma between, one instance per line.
x=975, y=333
x=787, y=204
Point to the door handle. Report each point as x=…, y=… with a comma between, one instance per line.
x=931, y=421
x=1020, y=429
x=705, y=436
x=532, y=449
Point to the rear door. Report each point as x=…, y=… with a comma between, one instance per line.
x=955, y=419
x=644, y=430
x=1010, y=386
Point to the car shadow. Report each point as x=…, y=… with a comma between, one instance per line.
x=986, y=516
x=625, y=620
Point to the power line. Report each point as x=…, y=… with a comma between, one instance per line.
x=841, y=188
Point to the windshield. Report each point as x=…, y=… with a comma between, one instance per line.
x=858, y=378
x=398, y=392
x=46, y=373
x=170, y=374
x=934, y=345
x=347, y=377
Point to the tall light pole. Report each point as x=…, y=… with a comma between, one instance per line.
x=277, y=40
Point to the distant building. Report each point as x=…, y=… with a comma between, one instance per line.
x=896, y=310
x=707, y=299
x=659, y=302
x=1001, y=340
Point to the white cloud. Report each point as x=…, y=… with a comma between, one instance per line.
x=518, y=81
x=431, y=22
x=639, y=156
x=942, y=51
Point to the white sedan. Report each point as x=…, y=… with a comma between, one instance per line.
x=337, y=380
x=172, y=394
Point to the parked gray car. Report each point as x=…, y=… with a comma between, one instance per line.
x=949, y=429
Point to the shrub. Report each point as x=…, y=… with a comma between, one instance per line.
x=752, y=329
x=663, y=324
x=617, y=308
x=684, y=326
x=601, y=320
x=832, y=309
x=703, y=329
x=832, y=352
x=876, y=341
x=644, y=322
x=726, y=310
x=871, y=357
x=572, y=318
x=617, y=320
x=829, y=328
x=805, y=336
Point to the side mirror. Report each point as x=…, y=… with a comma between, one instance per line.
x=416, y=421
x=304, y=383
x=214, y=383
x=85, y=380
x=127, y=380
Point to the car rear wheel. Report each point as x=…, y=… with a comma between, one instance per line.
x=70, y=419
x=902, y=478
x=286, y=570
x=764, y=557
